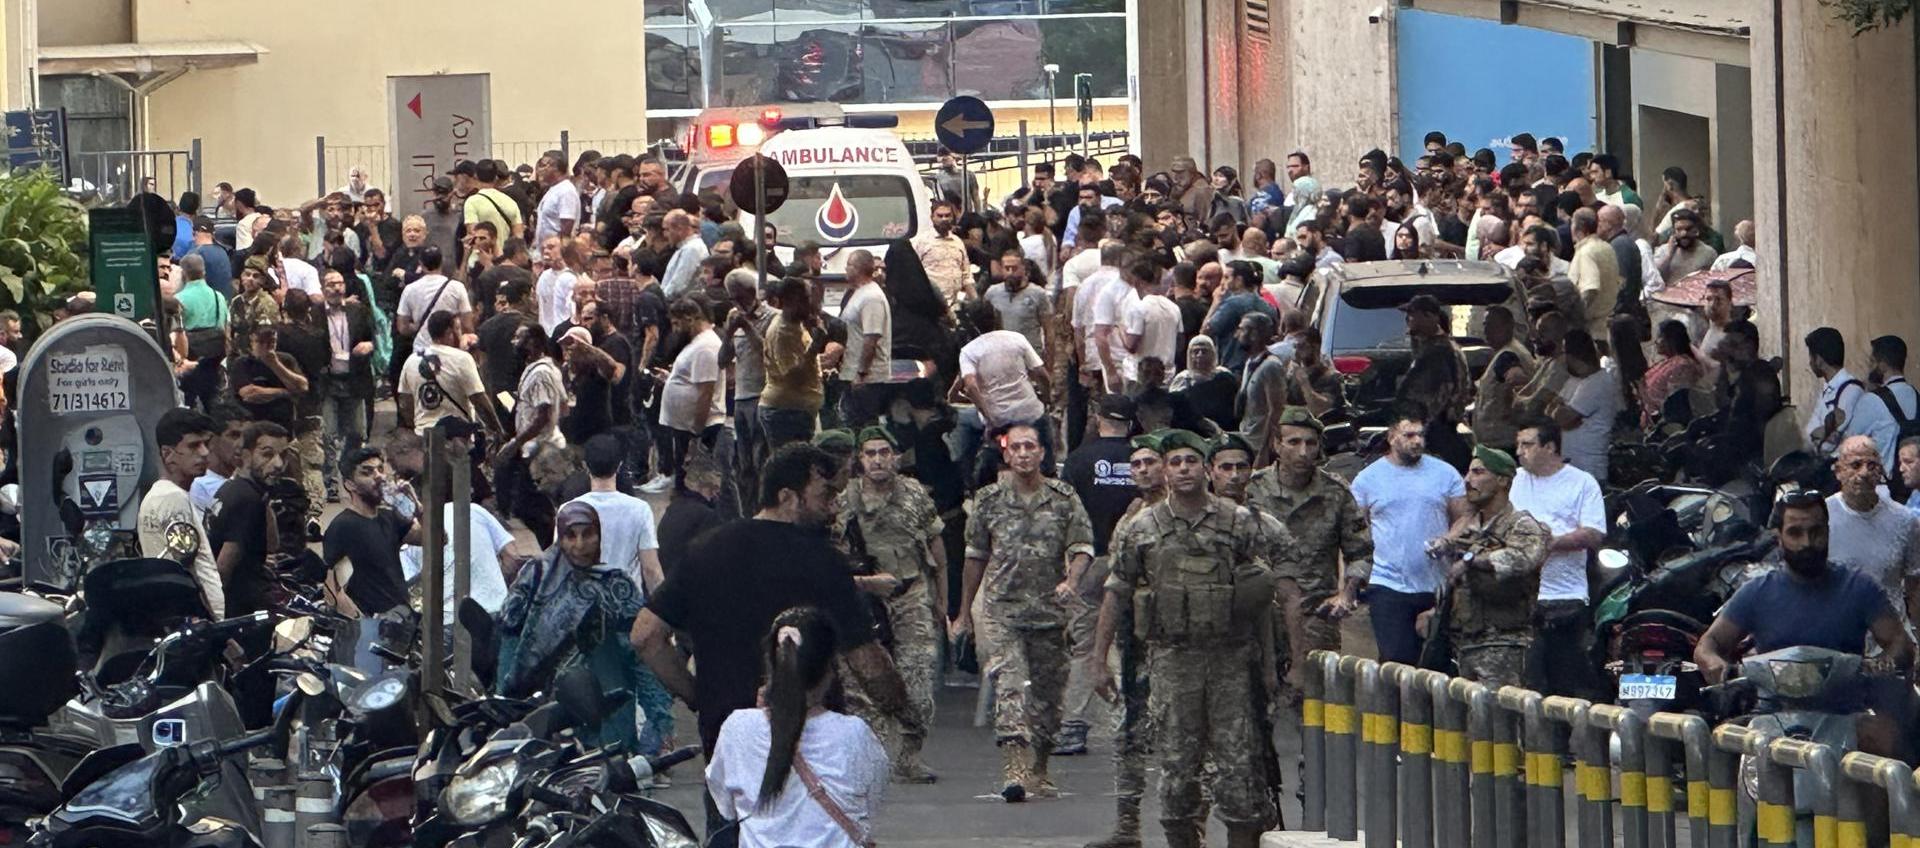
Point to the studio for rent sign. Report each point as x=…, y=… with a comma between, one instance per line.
x=434, y=122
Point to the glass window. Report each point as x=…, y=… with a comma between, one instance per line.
x=877, y=207
x=673, y=68
x=1096, y=46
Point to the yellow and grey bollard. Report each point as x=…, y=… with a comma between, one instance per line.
x=1773, y=810
x=1379, y=730
x=1343, y=748
x=1509, y=794
x=1416, y=756
x=1632, y=730
x=1723, y=769
x=1313, y=741
x=1482, y=717
x=1890, y=776
x=1450, y=766
x=276, y=817
x=1592, y=790
x=1546, y=801
x=1822, y=770
x=1691, y=733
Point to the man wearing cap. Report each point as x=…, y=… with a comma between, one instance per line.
x=1028, y=544
x=1493, y=557
x=1099, y=473
x=1438, y=381
x=489, y=204
x=899, y=528
x=1328, y=528
x=255, y=305
x=1206, y=624
x=219, y=265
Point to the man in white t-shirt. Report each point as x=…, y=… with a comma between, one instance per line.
x=627, y=538
x=433, y=292
x=560, y=205
x=492, y=560
x=1870, y=533
x=1568, y=501
x=691, y=405
x=1586, y=406
x=1411, y=499
x=1004, y=378
x=296, y=273
x=1106, y=319
x=184, y=436
x=1151, y=324
x=442, y=381
x=867, y=363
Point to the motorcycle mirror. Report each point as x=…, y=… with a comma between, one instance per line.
x=1612, y=559
x=310, y=684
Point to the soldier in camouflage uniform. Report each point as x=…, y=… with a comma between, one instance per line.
x=1231, y=467
x=900, y=528
x=1494, y=555
x=1327, y=527
x=1193, y=569
x=1028, y=542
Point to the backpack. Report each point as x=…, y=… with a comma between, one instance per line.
x=1908, y=427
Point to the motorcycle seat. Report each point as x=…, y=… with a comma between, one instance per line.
x=17, y=610
x=1677, y=620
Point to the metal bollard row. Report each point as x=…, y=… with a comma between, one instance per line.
x=1450, y=763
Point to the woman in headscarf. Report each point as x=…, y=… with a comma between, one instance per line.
x=921, y=323
x=1306, y=202
x=568, y=609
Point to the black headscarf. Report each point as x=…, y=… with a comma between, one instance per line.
x=919, y=312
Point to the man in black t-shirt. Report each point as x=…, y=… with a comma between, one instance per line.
x=500, y=361
x=593, y=373
x=1098, y=469
x=362, y=546
x=267, y=380
x=727, y=593
x=240, y=526
x=512, y=266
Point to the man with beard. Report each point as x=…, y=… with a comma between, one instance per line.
x=1685, y=253
x=241, y=527
x=944, y=256
x=1493, y=555
x=1410, y=499
x=1089, y=204
x=1024, y=308
x=362, y=545
x=1328, y=527
x=728, y=592
x=1028, y=543
x=1811, y=602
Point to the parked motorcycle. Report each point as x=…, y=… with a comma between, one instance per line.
x=37, y=665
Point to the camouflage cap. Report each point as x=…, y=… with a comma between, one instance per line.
x=1178, y=439
x=1498, y=462
x=875, y=433
x=257, y=263
x=1300, y=416
x=1231, y=441
x=834, y=440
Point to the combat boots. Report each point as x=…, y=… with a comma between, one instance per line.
x=1244, y=836
x=1182, y=834
x=1041, y=786
x=911, y=769
x=1016, y=766
x=1126, y=831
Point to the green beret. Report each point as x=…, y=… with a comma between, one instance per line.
x=875, y=433
x=1231, y=441
x=1300, y=416
x=1146, y=441
x=1177, y=439
x=1498, y=462
x=257, y=263
x=834, y=440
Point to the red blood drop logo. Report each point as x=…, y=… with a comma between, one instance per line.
x=837, y=218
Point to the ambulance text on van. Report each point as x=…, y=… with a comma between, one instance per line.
x=880, y=155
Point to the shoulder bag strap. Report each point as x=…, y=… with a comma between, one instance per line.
x=820, y=796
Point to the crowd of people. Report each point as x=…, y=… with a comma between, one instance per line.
x=1080, y=435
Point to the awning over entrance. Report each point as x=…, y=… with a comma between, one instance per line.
x=147, y=61
x=1707, y=29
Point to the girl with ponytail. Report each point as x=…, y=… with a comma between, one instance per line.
x=791, y=772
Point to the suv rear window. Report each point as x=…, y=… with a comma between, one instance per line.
x=1369, y=317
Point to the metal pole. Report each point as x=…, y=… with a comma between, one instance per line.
x=1376, y=754
x=1024, y=181
x=1052, y=128
x=312, y=807
x=1416, y=757
x=1313, y=742
x=1660, y=827
x=1481, y=712
x=433, y=555
x=1546, y=800
x=1509, y=798
x=276, y=817
x=1633, y=768
x=195, y=168
x=566, y=150
x=461, y=467
x=1722, y=814
x=1342, y=749
x=320, y=166
x=1450, y=798
x=760, y=220
x=1692, y=734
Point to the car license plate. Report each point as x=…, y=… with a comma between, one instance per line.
x=1636, y=687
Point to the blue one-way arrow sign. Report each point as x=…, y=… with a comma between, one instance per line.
x=964, y=124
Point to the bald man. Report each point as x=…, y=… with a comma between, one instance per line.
x=1868, y=531
x=1742, y=231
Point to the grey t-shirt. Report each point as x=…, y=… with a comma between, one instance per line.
x=1026, y=312
x=749, y=367
x=867, y=313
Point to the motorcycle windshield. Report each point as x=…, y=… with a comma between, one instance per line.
x=125, y=793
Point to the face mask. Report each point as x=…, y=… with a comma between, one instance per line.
x=1809, y=561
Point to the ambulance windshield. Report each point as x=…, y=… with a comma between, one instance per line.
x=846, y=210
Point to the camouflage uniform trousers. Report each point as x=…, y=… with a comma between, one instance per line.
x=916, y=656
x=1301, y=632
x=1133, y=741
x=312, y=471
x=1201, y=709
x=1494, y=663
x=1028, y=668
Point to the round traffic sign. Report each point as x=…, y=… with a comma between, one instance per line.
x=964, y=124
x=773, y=185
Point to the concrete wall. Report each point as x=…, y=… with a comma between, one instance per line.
x=327, y=69
x=66, y=23
x=1340, y=91
x=1849, y=219
x=1718, y=159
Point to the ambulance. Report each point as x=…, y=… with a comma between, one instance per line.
x=849, y=186
x=720, y=137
